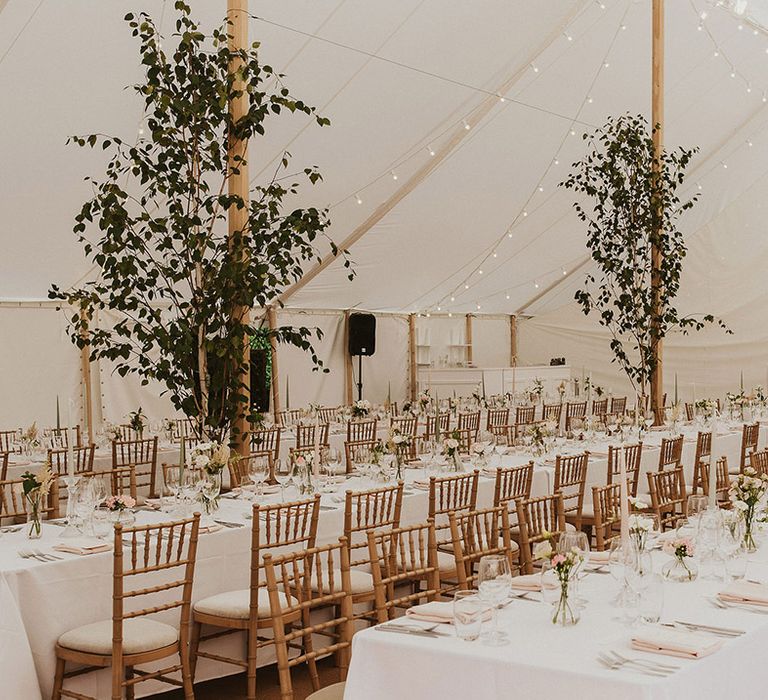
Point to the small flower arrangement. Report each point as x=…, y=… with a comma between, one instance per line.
x=35, y=488
x=479, y=449
x=739, y=399
x=361, y=409
x=538, y=432
x=639, y=527
x=168, y=425
x=706, y=408
x=112, y=431
x=747, y=493
x=424, y=399
x=407, y=407
x=119, y=503
x=681, y=549
x=637, y=503
x=759, y=395
x=537, y=390
x=138, y=421
x=564, y=566
x=209, y=457
x=451, y=445
x=301, y=473
x=31, y=436
x=561, y=390
x=398, y=445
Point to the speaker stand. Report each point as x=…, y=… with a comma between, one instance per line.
x=359, y=377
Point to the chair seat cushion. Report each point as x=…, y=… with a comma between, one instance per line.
x=139, y=635
x=330, y=692
x=446, y=563
x=237, y=604
x=360, y=581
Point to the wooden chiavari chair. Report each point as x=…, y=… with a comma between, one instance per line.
x=703, y=454
x=471, y=422
x=722, y=480
x=750, y=436
x=60, y=436
x=406, y=425
x=632, y=456
x=606, y=505
x=184, y=427
x=328, y=414
x=525, y=416
x=758, y=460
x=570, y=481
x=600, y=409
x=327, y=569
x=171, y=471
x=512, y=483
x=551, y=412
x=403, y=556
x=141, y=454
x=131, y=638
x=282, y=525
x=83, y=460
x=357, y=452
x=9, y=441
x=305, y=435
x=671, y=453
x=4, y=465
x=13, y=505
x=618, y=405
x=537, y=519
x=690, y=412
x=668, y=497
x=123, y=481
x=358, y=430
x=288, y=418
x=267, y=440
x=444, y=424
x=497, y=421
x=478, y=534
x=574, y=411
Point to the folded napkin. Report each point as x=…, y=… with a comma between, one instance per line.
x=83, y=546
x=420, y=484
x=599, y=557
x=436, y=611
x=527, y=582
x=215, y=527
x=673, y=642
x=745, y=592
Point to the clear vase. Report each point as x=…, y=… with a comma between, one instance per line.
x=35, y=526
x=458, y=466
x=749, y=538
x=565, y=612
x=680, y=569
x=210, y=489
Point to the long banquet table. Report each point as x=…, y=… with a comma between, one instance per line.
x=39, y=601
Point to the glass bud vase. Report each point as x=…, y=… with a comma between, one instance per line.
x=565, y=613
x=35, y=526
x=680, y=569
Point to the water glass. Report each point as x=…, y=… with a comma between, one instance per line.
x=736, y=565
x=468, y=611
x=494, y=583
x=650, y=598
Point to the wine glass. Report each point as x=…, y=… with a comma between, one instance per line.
x=282, y=475
x=696, y=505
x=494, y=581
x=258, y=471
x=171, y=489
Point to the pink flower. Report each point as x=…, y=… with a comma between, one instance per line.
x=558, y=559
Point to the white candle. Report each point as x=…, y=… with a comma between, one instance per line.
x=316, y=458
x=713, y=468
x=70, y=437
x=694, y=393
x=624, y=501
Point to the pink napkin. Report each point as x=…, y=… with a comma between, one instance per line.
x=436, y=611
x=83, y=547
x=673, y=642
x=745, y=592
x=527, y=582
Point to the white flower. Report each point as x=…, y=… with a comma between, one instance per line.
x=740, y=505
x=451, y=444
x=543, y=550
x=638, y=504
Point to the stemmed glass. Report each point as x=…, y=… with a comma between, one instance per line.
x=282, y=475
x=171, y=479
x=494, y=583
x=258, y=470
x=697, y=504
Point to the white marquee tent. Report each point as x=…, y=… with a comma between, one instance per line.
x=452, y=123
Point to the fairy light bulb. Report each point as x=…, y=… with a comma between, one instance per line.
x=507, y=297
x=479, y=272
x=431, y=150
x=501, y=97
x=141, y=131
x=466, y=124
x=564, y=272
x=606, y=65
x=357, y=198
x=394, y=175
x=557, y=162
x=478, y=307
x=496, y=255
x=466, y=286
x=438, y=308
x=573, y=132
x=453, y=298
x=535, y=68
x=535, y=284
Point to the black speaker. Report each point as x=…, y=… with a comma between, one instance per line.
x=362, y=334
x=260, y=382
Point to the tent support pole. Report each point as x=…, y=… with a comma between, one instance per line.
x=513, y=340
x=468, y=338
x=85, y=360
x=657, y=113
x=412, y=356
x=237, y=14
x=275, y=378
x=349, y=380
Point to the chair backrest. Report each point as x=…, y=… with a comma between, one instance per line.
x=497, y=418
x=758, y=460
x=9, y=440
x=478, y=534
x=469, y=421
x=512, y=483
x=357, y=452
x=4, y=465
x=305, y=435
x=574, y=411
x=407, y=425
x=123, y=481
x=287, y=418
x=750, y=435
x=406, y=555
x=239, y=467
x=671, y=453
x=361, y=430
x=13, y=504
x=267, y=440
x=152, y=564
x=703, y=454
x=370, y=511
x=59, y=437
x=445, y=424
x=83, y=459
x=690, y=411
x=632, y=456
x=618, y=405
x=600, y=407
x=668, y=496
x=722, y=478
x=570, y=480
x=328, y=414
x=184, y=427
x=606, y=505
x=316, y=578
x=142, y=454
x=525, y=415
x=538, y=518
x=451, y=494
x=552, y=412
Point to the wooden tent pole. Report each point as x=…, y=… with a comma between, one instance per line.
x=85, y=363
x=468, y=338
x=412, y=356
x=657, y=122
x=349, y=380
x=237, y=14
x=513, y=341
x=275, y=374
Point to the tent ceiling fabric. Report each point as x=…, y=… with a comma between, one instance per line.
x=396, y=79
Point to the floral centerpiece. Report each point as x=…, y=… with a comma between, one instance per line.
x=564, y=566
x=747, y=494
x=407, y=408
x=30, y=437
x=561, y=390
x=639, y=527
x=424, y=400
x=759, y=395
x=119, y=507
x=706, y=408
x=398, y=445
x=537, y=391
x=480, y=452
x=138, y=421
x=35, y=488
x=451, y=445
x=112, y=431
x=361, y=409
x=301, y=474
x=210, y=458
x=538, y=432
x=679, y=569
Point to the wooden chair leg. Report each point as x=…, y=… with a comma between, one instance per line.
x=186, y=674
x=194, y=645
x=252, y=642
x=58, y=680
x=130, y=692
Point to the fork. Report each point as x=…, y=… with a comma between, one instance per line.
x=615, y=664
x=736, y=606
x=47, y=556
x=647, y=662
x=28, y=554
